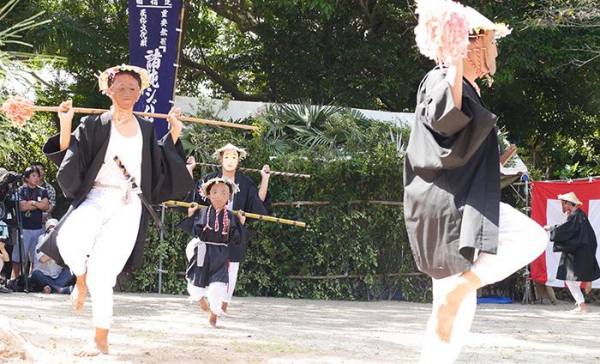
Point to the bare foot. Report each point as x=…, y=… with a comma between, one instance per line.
x=204, y=305
x=47, y=289
x=466, y=283
x=213, y=320
x=224, y=307
x=581, y=308
x=77, y=299
x=93, y=349
x=588, y=287
x=446, y=315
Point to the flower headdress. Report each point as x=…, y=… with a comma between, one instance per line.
x=442, y=33
x=110, y=73
x=204, y=189
x=242, y=152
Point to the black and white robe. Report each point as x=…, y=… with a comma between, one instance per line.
x=164, y=173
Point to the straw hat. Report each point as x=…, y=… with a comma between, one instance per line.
x=205, y=188
x=571, y=197
x=479, y=22
x=242, y=152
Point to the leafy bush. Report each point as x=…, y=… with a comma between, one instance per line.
x=351, y=249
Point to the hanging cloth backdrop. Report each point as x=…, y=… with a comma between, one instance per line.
x=546, y=210
x=153, y=35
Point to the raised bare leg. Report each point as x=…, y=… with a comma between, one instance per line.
x=100, y=345
x=466, y=283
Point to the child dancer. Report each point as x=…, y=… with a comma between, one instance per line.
x=214, y=229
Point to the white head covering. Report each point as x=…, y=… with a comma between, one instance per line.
x=571, y=197
x=51, y=222
x=242, y=152
x=479, y=22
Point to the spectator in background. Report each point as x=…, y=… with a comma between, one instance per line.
x=47, y=276
x=33, y=200
x=49, y=189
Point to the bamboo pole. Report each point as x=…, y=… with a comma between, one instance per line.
x=274, y=173
x=360, y=276
x=247, y=214
x=83, y=110
x=325, y=203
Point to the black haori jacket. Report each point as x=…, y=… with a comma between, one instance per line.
x=164, y=174
x=576, y=240
x=451, y=179
x=246, y=199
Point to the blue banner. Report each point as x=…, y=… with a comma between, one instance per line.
x=153, y=39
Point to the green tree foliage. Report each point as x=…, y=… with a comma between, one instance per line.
x=362, y=243
x=351, y=53
x=20, y=146
x=358, y=53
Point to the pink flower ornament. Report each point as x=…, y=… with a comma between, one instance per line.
x=442, y=33
x=18, y=110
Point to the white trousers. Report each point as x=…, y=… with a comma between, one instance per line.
x=97, y=238
x=520, y=241
x=234, y=268
x=215, y=293
x=575, y=289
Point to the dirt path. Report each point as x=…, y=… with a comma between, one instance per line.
x=158, y=329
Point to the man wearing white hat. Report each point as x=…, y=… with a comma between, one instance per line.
x=576, y=240
x=48, y=276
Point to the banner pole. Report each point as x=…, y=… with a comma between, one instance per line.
x=179, y=44
x=162, y=238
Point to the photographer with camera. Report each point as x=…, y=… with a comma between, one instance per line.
x=33, y=201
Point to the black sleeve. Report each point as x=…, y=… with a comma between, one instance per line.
x=566, y=236
x=170, y=177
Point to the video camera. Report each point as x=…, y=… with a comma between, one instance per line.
x=7, y=178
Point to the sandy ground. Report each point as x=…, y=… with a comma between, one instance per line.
x=152, y=328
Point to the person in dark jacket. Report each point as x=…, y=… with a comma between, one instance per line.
x=105, y=227
x=214, y=230
x=575, y=239
x=460, y=233
x=249, y=199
